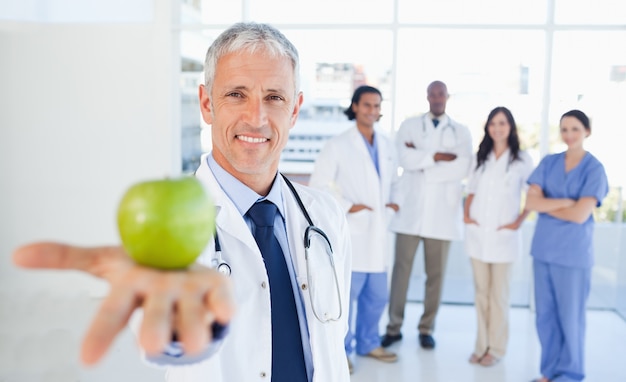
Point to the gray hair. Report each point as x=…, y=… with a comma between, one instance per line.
x=250, y=37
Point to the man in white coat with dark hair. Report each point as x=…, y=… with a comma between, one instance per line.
x=435, y=153
x=359, y=168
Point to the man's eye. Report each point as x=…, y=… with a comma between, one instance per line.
x=234, y=94
x=275, y=98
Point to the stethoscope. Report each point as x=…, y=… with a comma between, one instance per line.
x=218, y=263
x=447, y=128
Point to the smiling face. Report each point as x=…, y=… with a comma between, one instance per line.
x=252, y=106
x=573, y=132
x=499, y=129
x=367, y=110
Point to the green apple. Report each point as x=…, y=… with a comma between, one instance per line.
x=166, y=223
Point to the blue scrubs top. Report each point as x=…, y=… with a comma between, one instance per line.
x=558, y=241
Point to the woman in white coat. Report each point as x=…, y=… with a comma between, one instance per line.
x=492, y=237
x=359, y=168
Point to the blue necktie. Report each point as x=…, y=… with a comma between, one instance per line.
x=287, y=353
x=435, y=122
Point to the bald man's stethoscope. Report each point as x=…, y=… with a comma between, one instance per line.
x=448, y=137
x=311, y=234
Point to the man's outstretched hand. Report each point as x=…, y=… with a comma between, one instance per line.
x=186, y=301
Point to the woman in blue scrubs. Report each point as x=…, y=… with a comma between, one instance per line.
x=564, y=189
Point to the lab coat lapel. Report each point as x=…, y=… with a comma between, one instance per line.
x=296, y=225
x=384, y=156
x=227, y=217
x=357, y=141
x=436, y=133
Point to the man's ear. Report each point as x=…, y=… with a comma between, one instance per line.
x=296, y=108
x=205, y=104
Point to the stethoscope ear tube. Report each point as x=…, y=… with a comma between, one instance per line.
x=311, y=227
x=298, y=200
x=218, y=247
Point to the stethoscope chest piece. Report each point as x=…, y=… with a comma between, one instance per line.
x=218, y=262
x=224, y=269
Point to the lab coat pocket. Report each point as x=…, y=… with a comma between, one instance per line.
x=513, y=182
x=505, y=234
x=359, y=221
x=473, y=240
x=507, y=244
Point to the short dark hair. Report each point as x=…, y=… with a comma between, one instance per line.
x=356, y=97
x=579, y=115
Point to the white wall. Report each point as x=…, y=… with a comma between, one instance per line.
x=86, y=109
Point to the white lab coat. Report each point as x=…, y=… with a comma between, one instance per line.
x=345, y=169
x=430, y=192
x=497, y=187
x=246, y=352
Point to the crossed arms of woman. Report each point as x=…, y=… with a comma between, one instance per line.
x=575, y=211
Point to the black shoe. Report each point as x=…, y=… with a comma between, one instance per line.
x=388, y=339
x=427, y=341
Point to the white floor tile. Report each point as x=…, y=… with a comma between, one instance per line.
x=455, y=335
x=40, y=337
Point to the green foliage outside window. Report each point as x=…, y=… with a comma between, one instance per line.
x=611, y=209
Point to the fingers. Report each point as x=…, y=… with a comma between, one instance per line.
x=193, y=323
x=199, y=306
x=393, y=206
x=219, y=300
x=111, y=318
x=157, y=327
x=48, y=255
x=185, y=303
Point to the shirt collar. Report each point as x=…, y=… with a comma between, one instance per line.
x=242, y=196
x=442, y=118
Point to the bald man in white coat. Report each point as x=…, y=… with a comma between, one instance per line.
x=435, y=153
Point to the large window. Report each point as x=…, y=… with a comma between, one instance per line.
x=450, y=12
x=589, y=73
x=333, y=63
x=482, y=69
x=596, y=13
x=539, y=58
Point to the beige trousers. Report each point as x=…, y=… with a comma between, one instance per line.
x=491, y=285
x=435, y=259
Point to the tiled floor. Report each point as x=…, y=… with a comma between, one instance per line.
x=606, y=350
x=40, y=338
